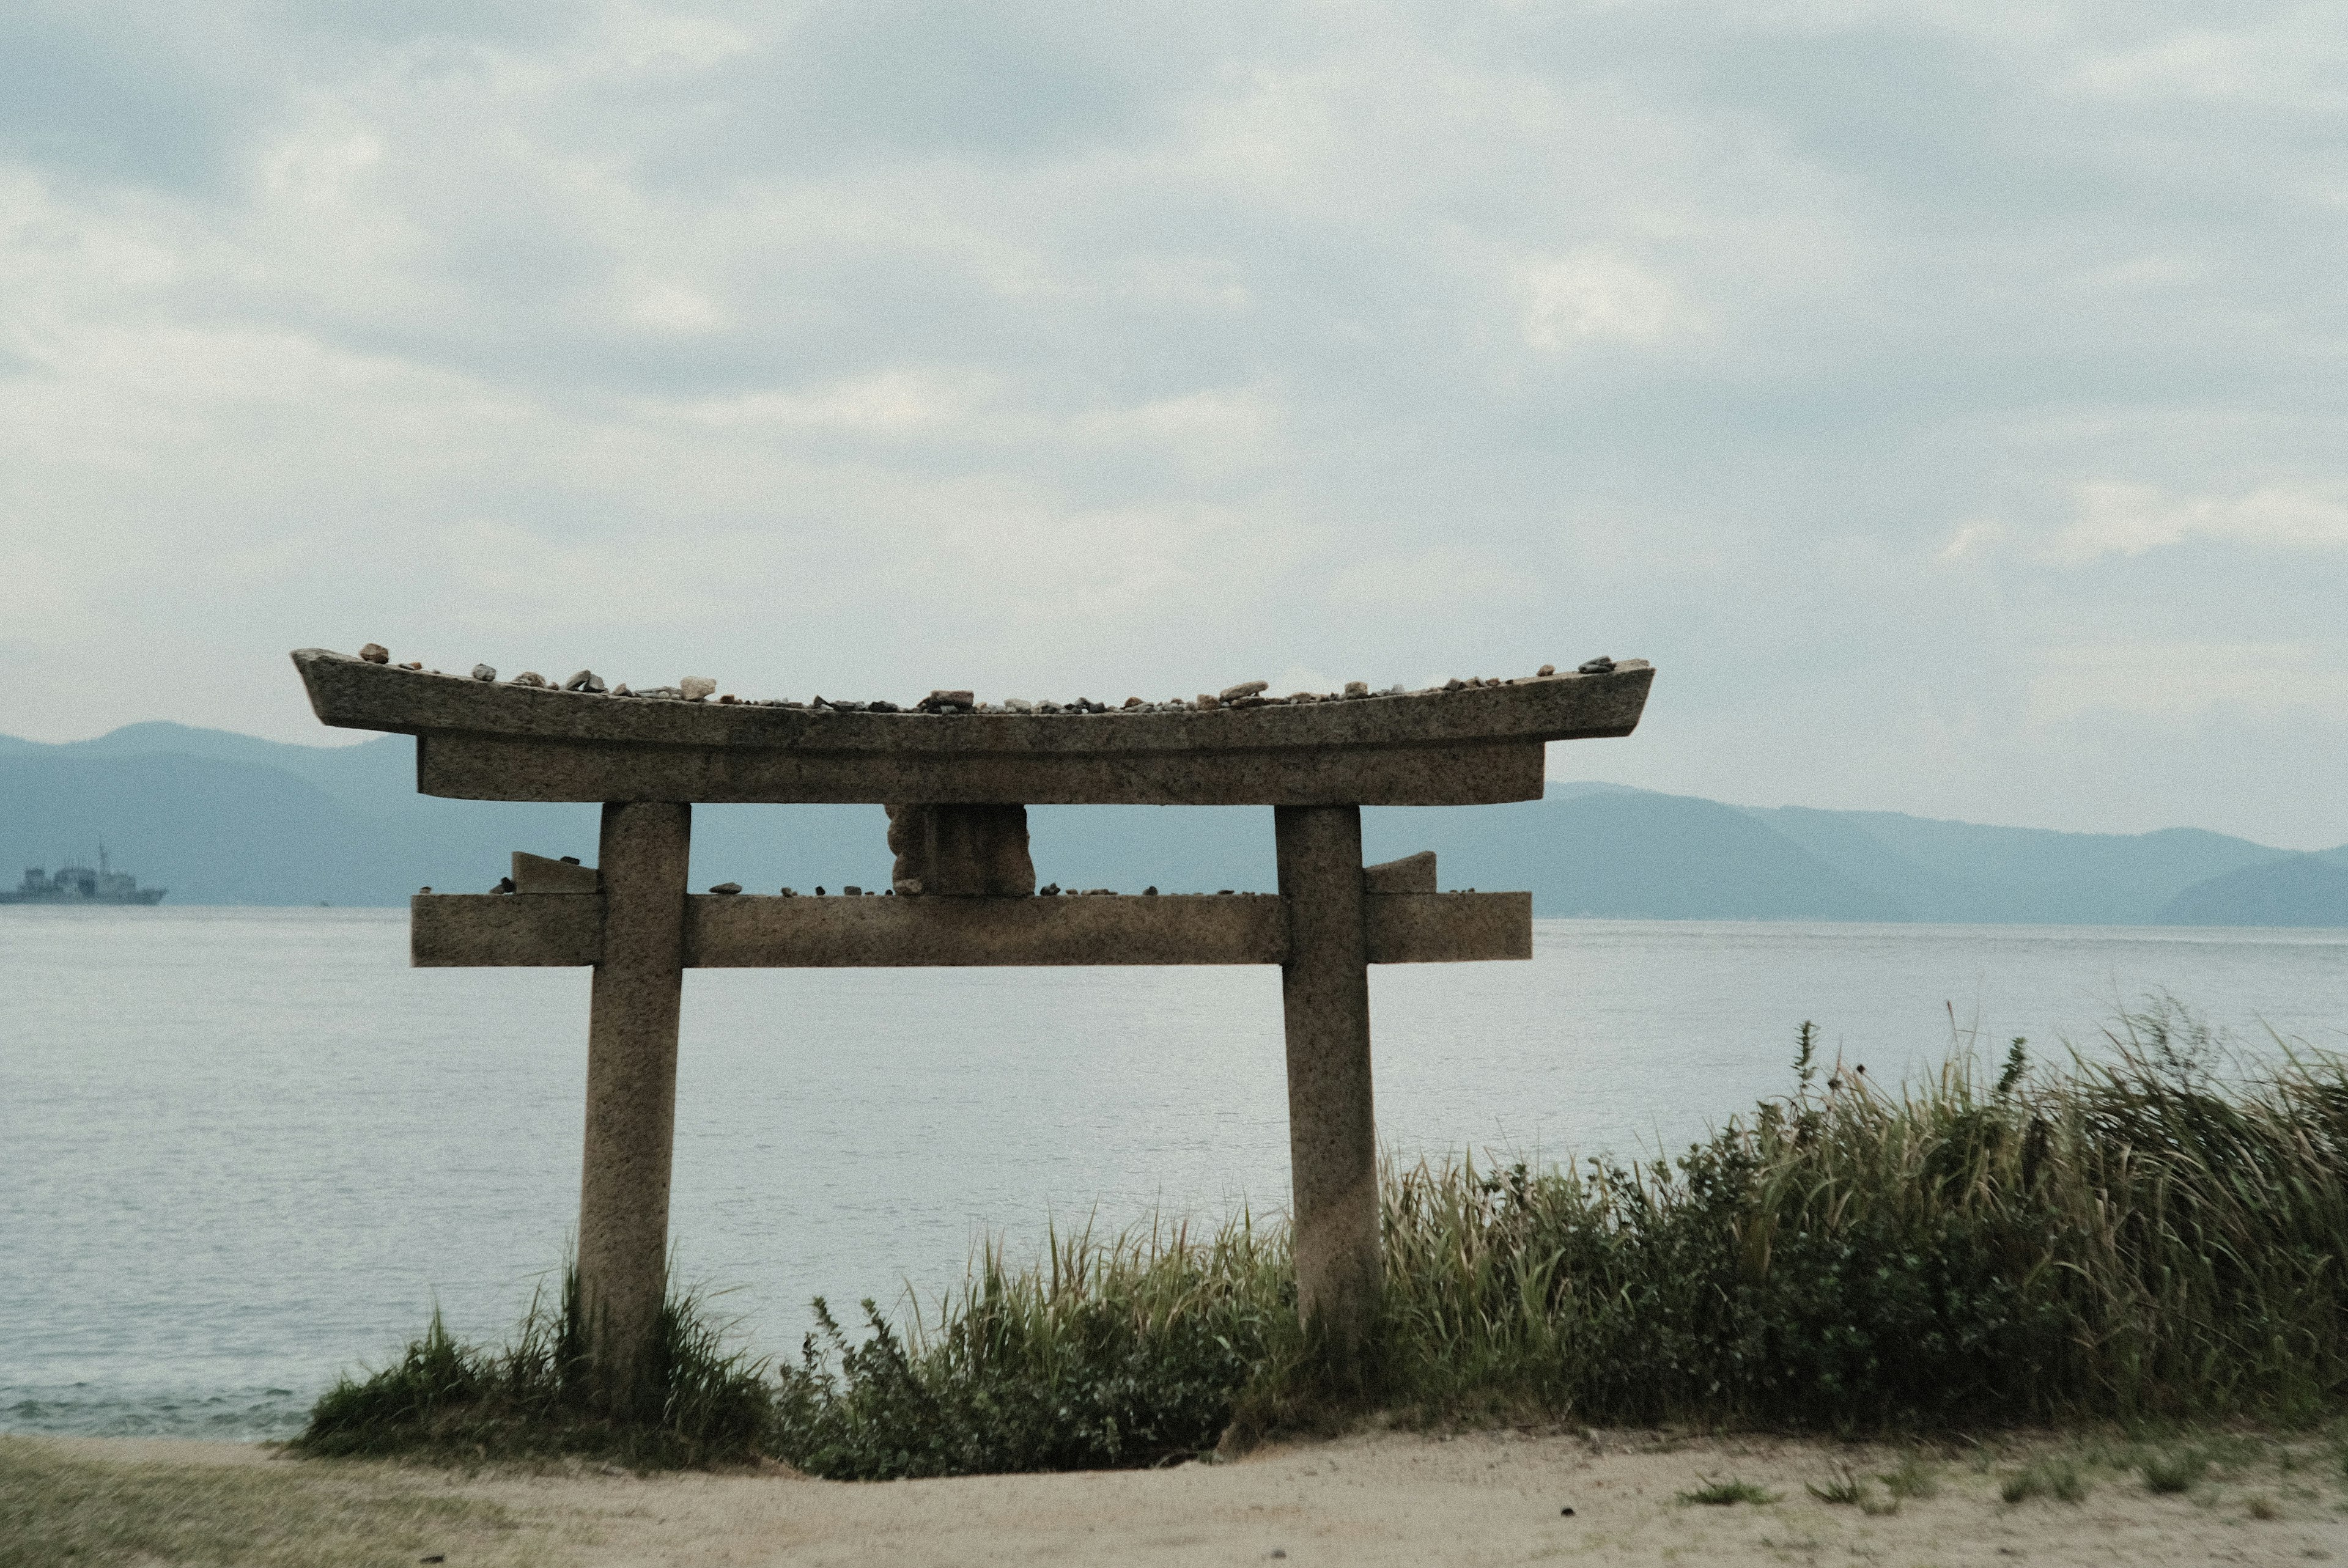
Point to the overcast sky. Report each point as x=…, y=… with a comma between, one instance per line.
x=1947, y=397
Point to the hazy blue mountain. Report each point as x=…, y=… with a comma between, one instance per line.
x=375, y=774
x=224, y=818
x=219, y=818
x=1630, y=853
x=210, y=832
x=2297, y=890
x=216, y=832
x=1963, y=872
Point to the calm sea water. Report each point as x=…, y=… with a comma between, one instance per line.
x=244, y=1150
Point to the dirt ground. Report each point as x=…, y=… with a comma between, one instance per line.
x=1375, y=1499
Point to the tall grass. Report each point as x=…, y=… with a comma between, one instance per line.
x=537, y=1397
x=2127, y=1237
x=2157, y=1232
x=2153, y=1233
x=1117, y=1353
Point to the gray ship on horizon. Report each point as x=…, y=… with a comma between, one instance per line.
x=81, y=884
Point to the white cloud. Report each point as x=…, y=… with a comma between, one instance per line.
x=2294, y=55
x=1973, y=539
x=48, y=594
x=1216, y=417
x=515, y=578
x=2177, y=682
x=973, y=411
x=1442, y=578
x=321, y=171
x=2116, y=518
x=889, y=403
x=1067, y=347
x=676, y=308
x=1301, y=678
x=1594, y=296
x=2129, y=519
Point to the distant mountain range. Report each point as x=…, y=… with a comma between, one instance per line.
x=221, y=818
x=2297, y=890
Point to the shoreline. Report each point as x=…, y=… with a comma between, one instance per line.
x=1370, y=1498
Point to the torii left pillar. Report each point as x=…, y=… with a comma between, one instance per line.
x=623, y=1185
x=1332, y=1134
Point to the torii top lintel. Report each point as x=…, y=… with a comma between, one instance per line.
x=480, y=740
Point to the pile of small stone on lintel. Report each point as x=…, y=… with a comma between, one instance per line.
x=1246, y=694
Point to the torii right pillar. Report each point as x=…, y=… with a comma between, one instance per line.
x=1333, y=1137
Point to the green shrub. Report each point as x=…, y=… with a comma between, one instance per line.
x=536, y=1398
x=2173, y=1470
x=1125, y=1353
x=2060, y=1479
x=1914, y=1478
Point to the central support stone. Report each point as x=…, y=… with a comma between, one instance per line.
x=960, y=851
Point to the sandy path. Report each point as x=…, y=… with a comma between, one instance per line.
x=1391, y=1499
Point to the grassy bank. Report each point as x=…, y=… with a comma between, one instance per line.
x=536, y=1399
x=2136, y=1238
x=63, y=1501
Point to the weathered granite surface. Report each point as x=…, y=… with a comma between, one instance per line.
x=1332, y=1134
x=631, y=1137
x=1411, y=874
x=960, y=851
x=488, y=742
x=537, y=874
x=448, y=930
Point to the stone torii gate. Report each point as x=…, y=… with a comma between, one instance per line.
x=957, y=777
